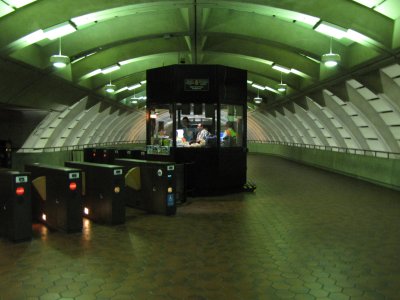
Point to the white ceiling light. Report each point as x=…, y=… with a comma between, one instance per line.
x=5, y=9
x=258, y=99
x=331, y=30
x=18, y=3
x=271, y=89
x=110, y=88
x=135, y=86
x=58, y=60
x=110, y=69
x=121, y=89
x=282, y=86
x=330, y=59
x=257, y=86
x=59, y=30
x=281, y=68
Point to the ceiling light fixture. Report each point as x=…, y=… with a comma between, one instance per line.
x=258, y=99
x=110, y=88
x=330, y=59
x=282, y=86
x=58, y=60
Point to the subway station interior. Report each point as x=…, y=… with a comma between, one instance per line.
x=200, y=149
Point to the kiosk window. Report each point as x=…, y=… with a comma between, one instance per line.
x=196, y=125
x=231, y=134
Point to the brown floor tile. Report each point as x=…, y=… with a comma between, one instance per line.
x=303, y=234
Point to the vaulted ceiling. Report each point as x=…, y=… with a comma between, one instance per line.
x=134, y=36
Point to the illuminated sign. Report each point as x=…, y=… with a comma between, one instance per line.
x=197, y=85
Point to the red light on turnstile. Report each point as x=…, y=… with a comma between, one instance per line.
x=72, y=186
x=94, y=154
x=20, y=191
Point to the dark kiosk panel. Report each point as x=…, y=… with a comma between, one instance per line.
x=57, y=196
x=15, y=205
x=103, y=188
x=151, y=185
x=197, y=116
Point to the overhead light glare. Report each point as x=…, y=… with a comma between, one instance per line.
x=128, y=61
x=110, y=69
x=94, y=73
x=356, y=36
x=59, y=30
x=369, y=3
x=331, y=30
x=121, y=89
x=18, y=3
x=34, y=37
x=271, y=89
x=249, y=82
x=143, y=82
x=135, y=86
x=257, y=86
x=84, y=20
x=281, y=68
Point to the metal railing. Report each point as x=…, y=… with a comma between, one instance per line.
x=77, y=147
x=375, y=153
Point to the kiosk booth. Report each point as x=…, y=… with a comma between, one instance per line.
x=179, y=98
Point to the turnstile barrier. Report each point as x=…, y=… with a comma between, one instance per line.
x=103, y=187
x=15, y=205
x=57, y=196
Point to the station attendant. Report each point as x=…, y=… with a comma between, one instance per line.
x=229, y=136
x=202, y=134
x=187, y=131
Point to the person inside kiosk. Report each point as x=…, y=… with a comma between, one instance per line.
x=188, y=133
x=229, y=136
x=201, y=138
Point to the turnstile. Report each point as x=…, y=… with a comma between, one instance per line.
x=103, y=186
x=151, y=185
x=15, y=205
x=56, y=196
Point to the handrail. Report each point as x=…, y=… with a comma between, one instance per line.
x=375, y=153
x=77, y=147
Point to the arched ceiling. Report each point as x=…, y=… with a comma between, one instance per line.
x=254, y=35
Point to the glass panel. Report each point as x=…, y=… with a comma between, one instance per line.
x=160, y=127
x=231, y=134
x=196, y=125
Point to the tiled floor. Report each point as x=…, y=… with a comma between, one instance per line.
x=304, y=234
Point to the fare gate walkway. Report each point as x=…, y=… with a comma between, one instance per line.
x=304, y=234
